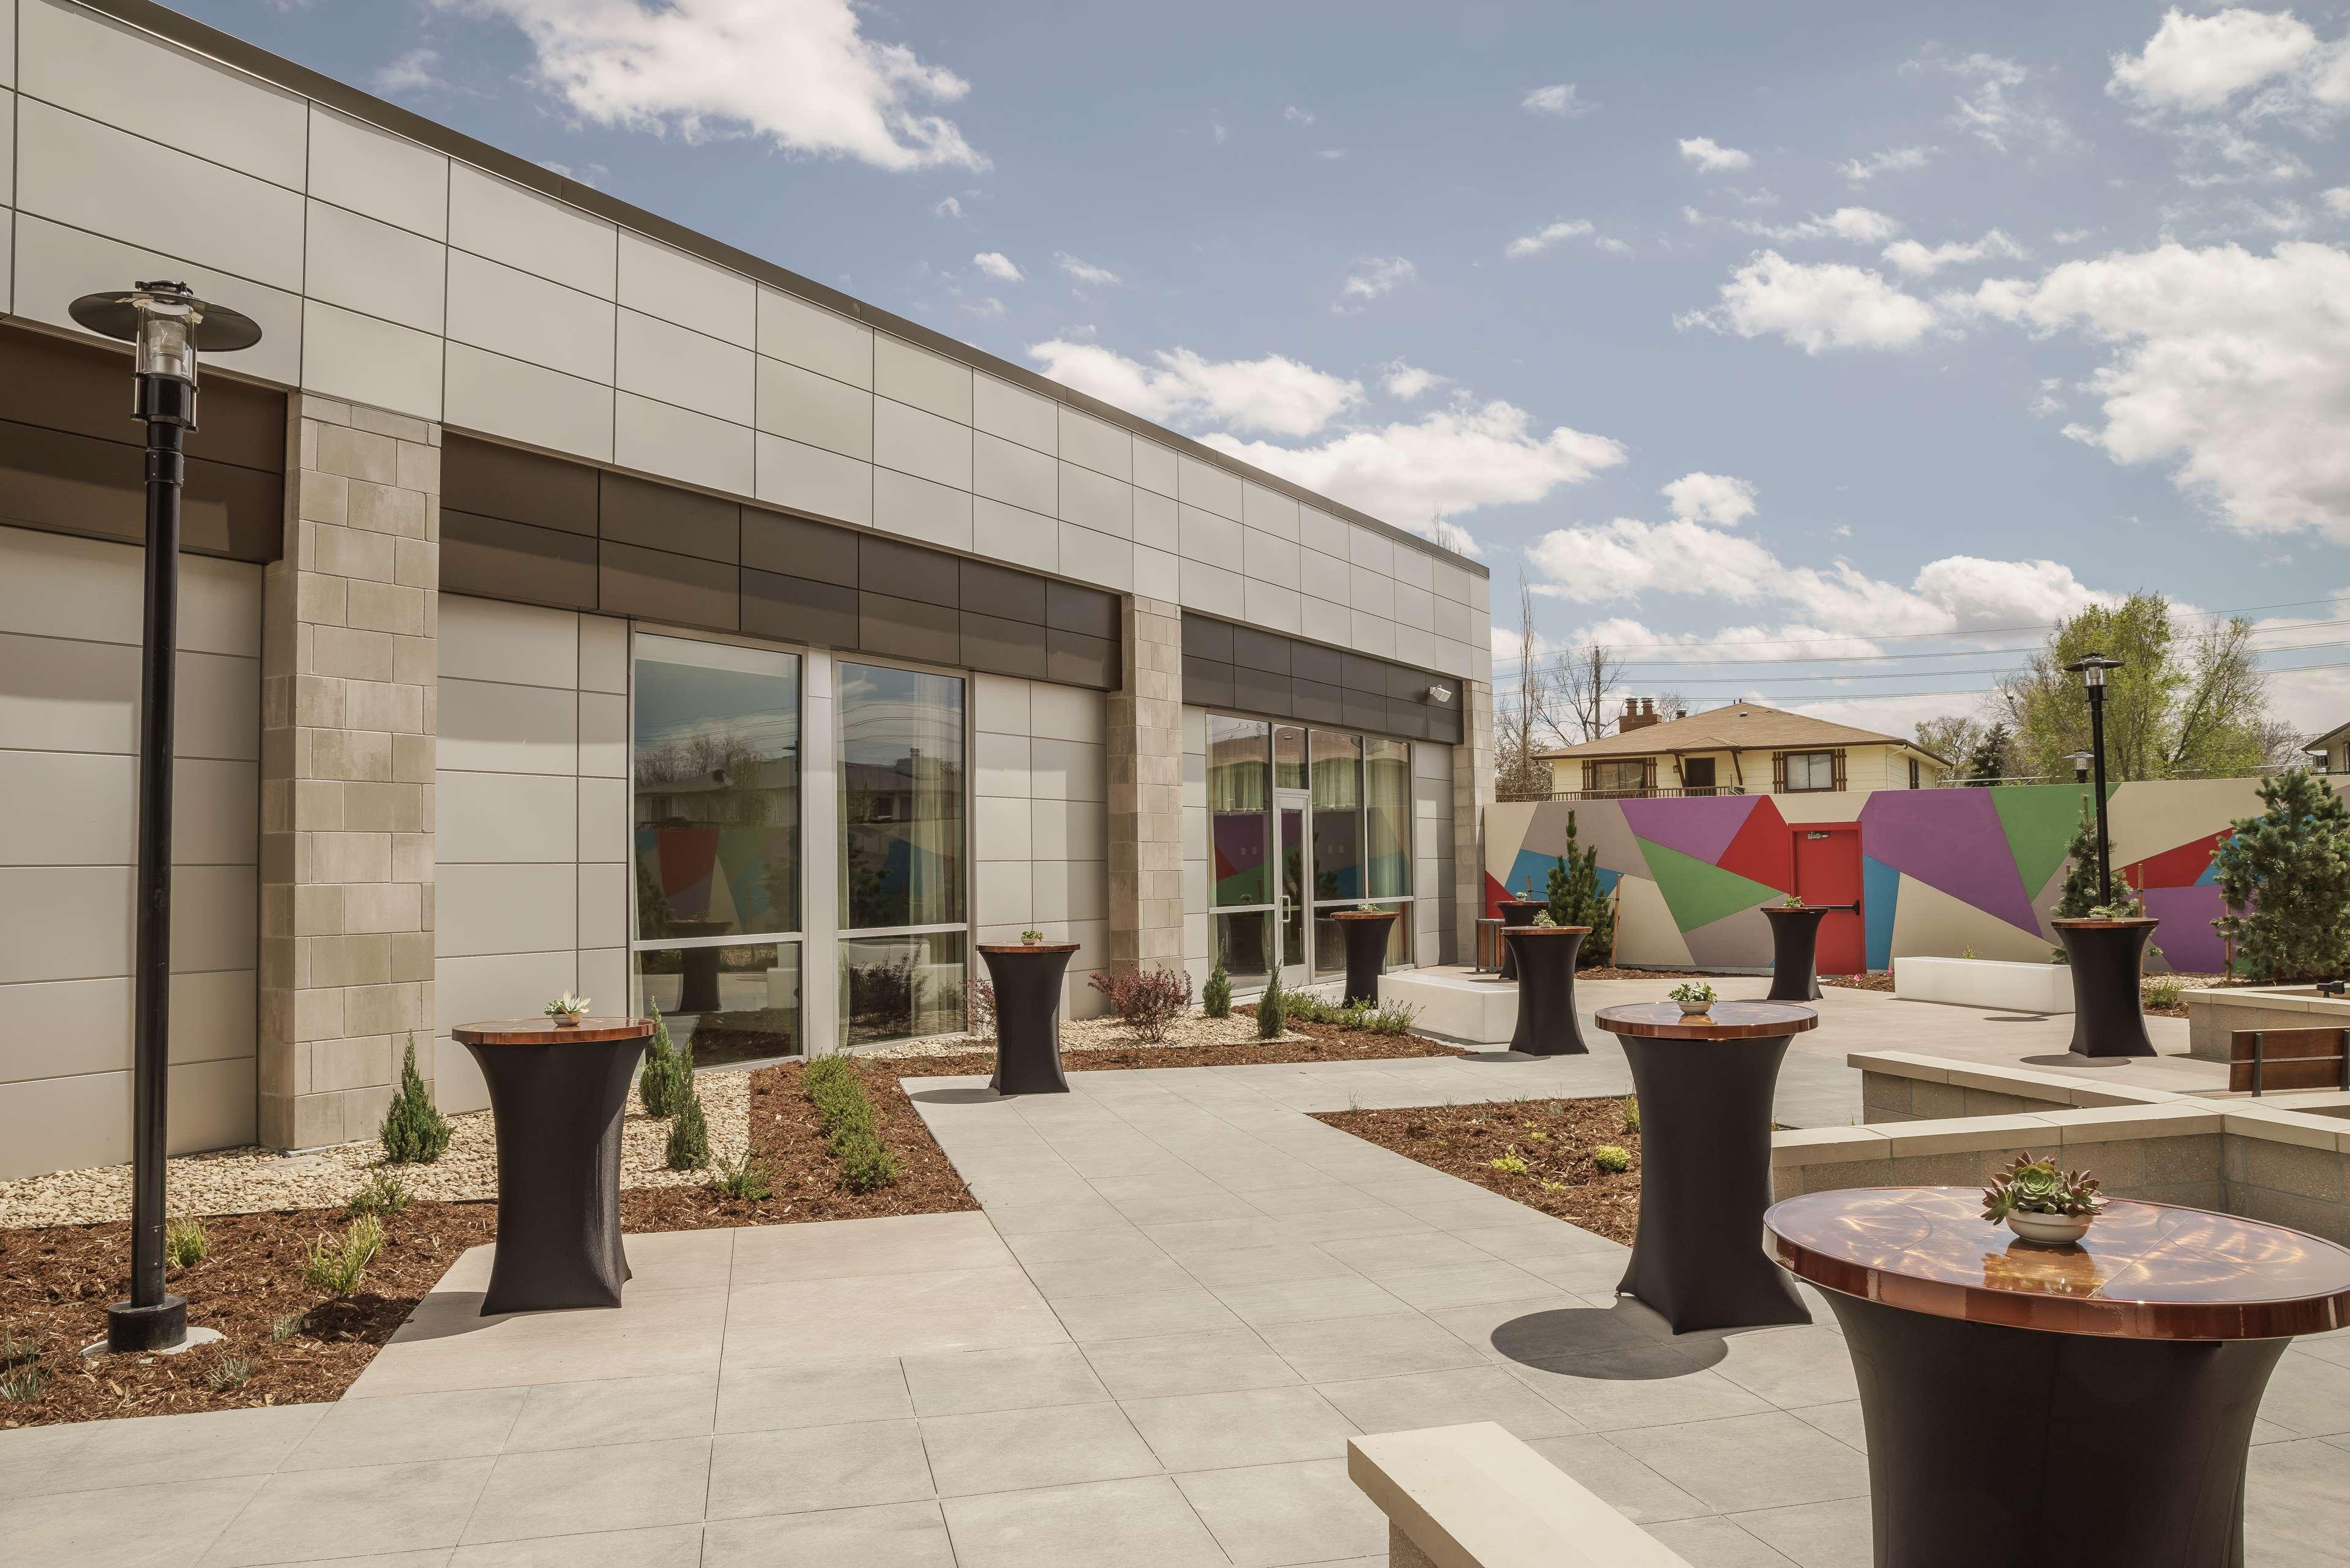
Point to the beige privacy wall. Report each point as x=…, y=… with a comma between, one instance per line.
x=69, y=637
x=534, y=820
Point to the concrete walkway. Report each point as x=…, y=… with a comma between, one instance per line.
x=1181, y=1297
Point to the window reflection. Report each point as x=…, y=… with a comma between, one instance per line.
x=735, y=1002
x=903, y=852
x=1237, y=800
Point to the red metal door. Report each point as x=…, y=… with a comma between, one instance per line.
x=1828, y=875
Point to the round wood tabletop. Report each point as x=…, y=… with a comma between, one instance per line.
x=1722, y=1021
x=1546, y=930
x=547, y=1032
x=1028, y=946
x=2145, y=1270
x=1522, y=903
x=2069, y=922
x=1366, y=915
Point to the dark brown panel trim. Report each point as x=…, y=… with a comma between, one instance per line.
x=1277, y=677
x=252, y=58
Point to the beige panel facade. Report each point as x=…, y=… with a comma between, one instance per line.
x=1146, y=790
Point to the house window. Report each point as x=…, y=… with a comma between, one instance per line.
x=1810, y=770
x=1697, y=776
x=715, y=754
x=1623, y=778
x=901, y=853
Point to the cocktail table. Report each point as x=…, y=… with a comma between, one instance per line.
x=556, y=1093
x=1705, y=1085
x=2086, y=1405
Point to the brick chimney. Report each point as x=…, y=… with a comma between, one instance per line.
x=1639, y=713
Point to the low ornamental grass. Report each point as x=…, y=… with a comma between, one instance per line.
x=337, y=1263
x=835, y=1087
x=185, y=1242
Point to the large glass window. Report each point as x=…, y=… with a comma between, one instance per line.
x=1240, y=838
x=715, y=760
x=903, y=853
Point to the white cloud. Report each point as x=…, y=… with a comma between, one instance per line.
x=1331, y=152
x=1296, y=116
x=1372, y=277
x=996, y=264
x=1273, y=394
x=798, y=73
x=2337, y=200
x=1084, y=271
x=415, y=71
x=2231, y=366
x=1712, y=156
x=1446, y=463
x=1546, y=236
x=1920, y=260
x=2071, y=236
x=1861, y=225
x=1990, y=108
x=1714, y=498
x=1558, y=98
x=1406, y=381
x=1892, y=160
x=1612, y=245
x=986, y=305
x=1816, y=305
x=2200, y=62
x=948, y=207
x=1217, y=132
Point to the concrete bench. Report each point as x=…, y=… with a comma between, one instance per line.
x=1475, y=1497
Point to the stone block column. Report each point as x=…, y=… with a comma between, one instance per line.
x=1146, y=790
x=1473, y=792
x=349, y=675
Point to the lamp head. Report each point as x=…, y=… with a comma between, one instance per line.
x=167, y=326
x=2092, y=667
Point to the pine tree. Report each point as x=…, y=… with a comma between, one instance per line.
x=1272, y=1009
x=1575, y=898
x=667, y=1081
x=1216, y=995
x=688, y=1135
x=414, y=1132
x=2285, y=877
x=2079, y=894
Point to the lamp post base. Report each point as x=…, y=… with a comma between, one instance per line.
x=158, y=1327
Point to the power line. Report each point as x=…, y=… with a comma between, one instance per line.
x=1916, y=635
x=1941, y=653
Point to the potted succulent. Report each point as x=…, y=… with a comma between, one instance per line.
x=1031, y=938
x=1695, y=996
x=2042, y=1203
x=1793, y=901
x=567, y=1011
x=1365, y=929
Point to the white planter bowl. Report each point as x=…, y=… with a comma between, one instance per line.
x=1695, y=1009
x=2050, y=1230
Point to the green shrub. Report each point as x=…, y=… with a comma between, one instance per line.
x=337, y=1263
x=866, y=1165
x=1611, y=1158
x=2284, y=881
x=1576, y=899
x=2079, y=894
x=2164, y=991
x=837, y=1088
x=185, y=1242
x=414, y=1132
x=746, y=1178
x=381, y=1193
x=1393, y=1021
x=1512, y=1163
x=228, y=1372
x=1631, y=1113
x=1216, y=995
x=1147, y=1000
x=667, y=1081
x=1272, y=1009
x=689, y=1137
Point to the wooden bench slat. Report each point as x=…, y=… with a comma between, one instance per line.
x=2285, y=1044
x=2260, y=1060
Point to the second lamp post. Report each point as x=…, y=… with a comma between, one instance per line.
x=2091, y=669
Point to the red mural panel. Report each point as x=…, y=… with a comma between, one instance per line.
x=2182, y=867
x=1761, y=852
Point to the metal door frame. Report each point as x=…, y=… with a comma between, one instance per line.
x=1298, y=968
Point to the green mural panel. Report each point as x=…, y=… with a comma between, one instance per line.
x=1698, y=893
x=2038, y=820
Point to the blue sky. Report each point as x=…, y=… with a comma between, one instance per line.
x=1896, y=326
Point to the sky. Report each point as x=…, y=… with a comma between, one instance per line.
x=1761, y=343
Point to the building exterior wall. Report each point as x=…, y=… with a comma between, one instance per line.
x=70, y=664
x=1042, y=835
x=1944, y=871
x=391, y=274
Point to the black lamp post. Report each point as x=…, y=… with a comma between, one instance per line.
x=166, y=325
x=2092, y=667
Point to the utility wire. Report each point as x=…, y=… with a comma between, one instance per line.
x=1916, y=635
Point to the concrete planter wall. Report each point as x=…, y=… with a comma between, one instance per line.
x=2214, y=1015
x=1985, y=982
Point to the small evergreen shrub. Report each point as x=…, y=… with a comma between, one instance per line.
x=2079, y=894
x=1631, y=1113
x=837, y=1089
x=688, y=1136
x=1512, y=1163
x=867, y=1165
x=1216, y=995
x=337, y=1263
x=1147, y=1000
x=1576, y=899
x=185, y=1242
x=1272, y=1009
x=667, y=1081
x=1612, y=1158
x=1392, y=1022
x=414, y=1131
x=382, y=1193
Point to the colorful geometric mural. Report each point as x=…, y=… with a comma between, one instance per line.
x=1941, y=872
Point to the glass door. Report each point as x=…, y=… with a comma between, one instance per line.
x=1296, y=852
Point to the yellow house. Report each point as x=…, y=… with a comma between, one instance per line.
x=1743, y=748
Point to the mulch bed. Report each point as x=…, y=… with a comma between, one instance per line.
x=1875, y=980
x=1553, y=1137
x=1323, y=1042
x=1610, y=971
x=56, y=1282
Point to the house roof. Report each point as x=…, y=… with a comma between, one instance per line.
x=2320, y=742
x=1740, y=727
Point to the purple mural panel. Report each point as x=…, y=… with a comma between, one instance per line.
x=2188, y=941
x=1699, y=827
x=1950, y=839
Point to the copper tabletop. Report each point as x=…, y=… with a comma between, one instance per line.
x=1722, y=1021
x=1543, y=930
x=2145, y=1270
x=1028, y=946
x=547, y=1032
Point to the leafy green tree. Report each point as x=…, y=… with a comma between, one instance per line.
x=1987, y=762
x=1575, y=898
x=2079, y=894
x=2285, y=877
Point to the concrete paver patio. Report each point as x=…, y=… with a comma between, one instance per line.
x=1182, y=1296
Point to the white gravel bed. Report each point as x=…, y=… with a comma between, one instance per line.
x=249, y=1180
